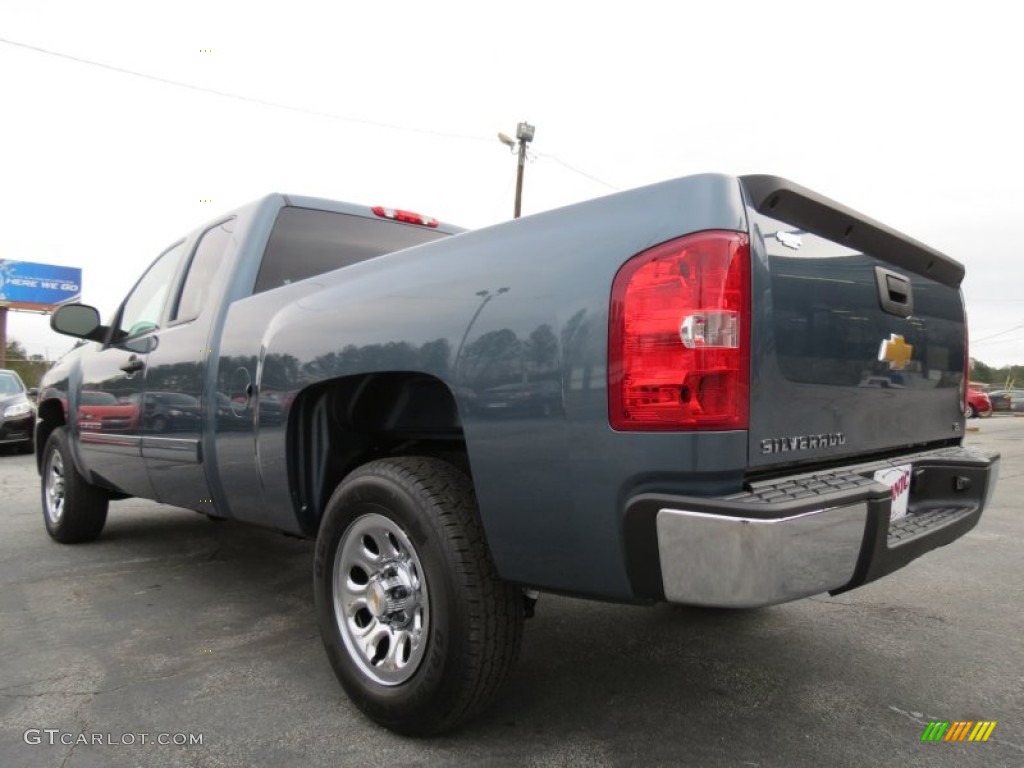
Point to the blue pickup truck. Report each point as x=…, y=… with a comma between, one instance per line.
x=714, y=391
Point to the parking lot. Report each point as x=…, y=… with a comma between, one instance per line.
x=172, y=628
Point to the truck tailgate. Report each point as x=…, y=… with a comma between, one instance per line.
x=858, y=333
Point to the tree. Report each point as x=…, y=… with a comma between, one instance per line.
x=542, y=350
x=980, y=373
x=29, y=368
x=996, y=378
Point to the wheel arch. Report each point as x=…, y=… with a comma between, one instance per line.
x=337, y=425
x=49, y=416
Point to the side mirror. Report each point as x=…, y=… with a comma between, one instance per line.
x=78, y=320
x=33, y=394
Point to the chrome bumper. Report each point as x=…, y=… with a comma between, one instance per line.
x=792, y=537
x=709, y=559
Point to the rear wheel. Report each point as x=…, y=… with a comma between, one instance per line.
x=73, y=510
x=417, y=625
x=971, y=413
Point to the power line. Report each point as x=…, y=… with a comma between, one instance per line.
x=987, y=344
x=562, y=162
x=288, y=107
x=241, y=97
x=994, y=335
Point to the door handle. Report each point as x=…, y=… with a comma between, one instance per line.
x=894, y=292
x=133, y=365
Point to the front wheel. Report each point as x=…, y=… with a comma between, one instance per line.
x=971, y=413
x=73, y=510
x=417, y=625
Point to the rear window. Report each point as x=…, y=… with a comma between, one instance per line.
x=98, y=398
x=307, y=242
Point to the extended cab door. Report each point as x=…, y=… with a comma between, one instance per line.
x=110, y=440
x=178, y=408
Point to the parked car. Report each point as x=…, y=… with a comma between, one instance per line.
x=166, y=411
x=1007, y=400
x=978, y=404
x=230, y=415
x=17, y=412
x=541, y=398
x=102, y=412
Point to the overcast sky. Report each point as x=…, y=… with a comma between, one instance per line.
x=907, y=111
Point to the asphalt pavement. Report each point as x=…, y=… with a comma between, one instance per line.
x=177, y=641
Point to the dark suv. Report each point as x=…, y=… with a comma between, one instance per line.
x=17, y=413
x=166, y=411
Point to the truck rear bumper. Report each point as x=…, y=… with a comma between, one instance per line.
x=805, y=534
x=712, y=559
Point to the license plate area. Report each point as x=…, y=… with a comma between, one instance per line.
x=897, y=479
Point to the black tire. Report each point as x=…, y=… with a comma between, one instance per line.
x=471, y=621
x=73, y=510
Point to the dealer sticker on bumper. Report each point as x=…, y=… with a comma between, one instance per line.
x=898, y=480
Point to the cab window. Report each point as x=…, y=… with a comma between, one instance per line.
x=206, y=261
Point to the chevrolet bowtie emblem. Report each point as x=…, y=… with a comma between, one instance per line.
x=895, y=351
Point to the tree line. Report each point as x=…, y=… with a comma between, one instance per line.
x=29, y=367
x=1008, y=376
x=32, y=367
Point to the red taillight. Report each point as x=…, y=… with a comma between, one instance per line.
x=407, y=217
x=966, y=381
x=679, y=336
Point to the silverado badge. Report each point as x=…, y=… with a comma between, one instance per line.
x=895, y=351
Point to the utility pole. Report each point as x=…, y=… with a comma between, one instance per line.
x=524, y=133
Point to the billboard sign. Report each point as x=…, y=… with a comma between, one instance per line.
x=38, y=287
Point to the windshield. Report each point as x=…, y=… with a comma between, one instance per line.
x=10, y=384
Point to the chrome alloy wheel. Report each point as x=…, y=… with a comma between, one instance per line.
x=381, y=601
x=55, y=488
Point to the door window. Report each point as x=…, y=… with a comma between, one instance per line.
x=143, y=309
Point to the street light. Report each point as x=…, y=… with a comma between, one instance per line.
x=524, y=133
x=485, y=297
